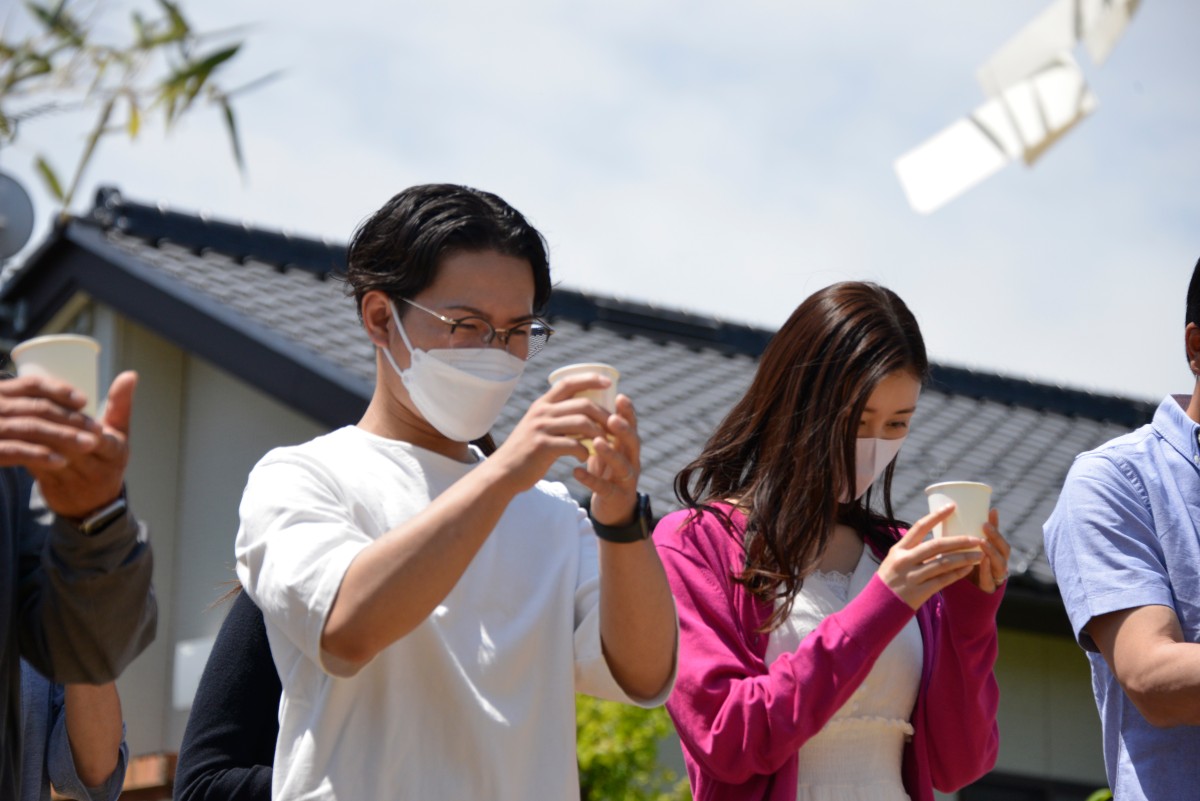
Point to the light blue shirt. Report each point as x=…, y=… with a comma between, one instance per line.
x=1125, y=534
x=46, y=750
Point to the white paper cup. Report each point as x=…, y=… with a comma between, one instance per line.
x=606, y=399
x=68, y=357
x=971, y=501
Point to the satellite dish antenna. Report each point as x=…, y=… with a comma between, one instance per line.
x=16, y=216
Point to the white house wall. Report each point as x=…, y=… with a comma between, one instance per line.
x=227, y=427
x=153, y=484
x=197, y=431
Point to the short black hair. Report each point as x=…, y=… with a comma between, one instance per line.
x=399, y=248
x=1193, y=300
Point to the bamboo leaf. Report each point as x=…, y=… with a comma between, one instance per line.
x=58, y=22
x=204, y=67
x=42, y=13
x=89, y=151
x=31, y=66
x=135, y=117
x=182, y=87
x=139, y=29
x=179, y=25
x=172, y=101
x=50, y=179
x=234, y=140
x=257, y=83
x=168, y=36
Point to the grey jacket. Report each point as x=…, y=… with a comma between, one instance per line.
x=78, y=608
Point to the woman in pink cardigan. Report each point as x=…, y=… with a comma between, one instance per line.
x=825, y=654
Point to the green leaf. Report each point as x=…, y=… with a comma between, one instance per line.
x=30, y=66
x=139, y=29
x=90, y=150
x=618, y=753
x=58, y=22
x=170, y=97
x=257, y=83
x=135, y=117
x=234, y=141
x=43, y=14
x=183, y=85
x=205, y=66
x=179, y=25
x=50, y=179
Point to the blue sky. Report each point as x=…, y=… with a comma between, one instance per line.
x=724, y=158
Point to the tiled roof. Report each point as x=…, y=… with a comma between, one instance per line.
x=683, y=371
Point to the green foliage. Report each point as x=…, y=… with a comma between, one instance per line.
x=618, y=753
x=1101, y=795
x=164, y=69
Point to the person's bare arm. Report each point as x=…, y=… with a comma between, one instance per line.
x=94, y=729
x=398, y=580
x=637, y=611
x=1159, y=671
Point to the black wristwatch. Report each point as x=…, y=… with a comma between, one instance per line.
x=100, y=519
x=636, y=530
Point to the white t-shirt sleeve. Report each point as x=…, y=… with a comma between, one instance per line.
x=294, y=545
x=592, y=674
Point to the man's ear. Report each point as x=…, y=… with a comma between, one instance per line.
x=377, y=316
x=1191, y=341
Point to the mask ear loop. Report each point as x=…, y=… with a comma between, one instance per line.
x=387, y=352
x=399, y=327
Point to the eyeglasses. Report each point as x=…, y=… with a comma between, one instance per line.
x=523, y=339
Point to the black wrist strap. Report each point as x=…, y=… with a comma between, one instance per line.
x=100, y=519
x=636, y=530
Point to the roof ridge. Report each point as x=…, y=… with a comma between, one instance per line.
x=631, y=317
x=1041, y=396
x=242, y=242
x=198, y=232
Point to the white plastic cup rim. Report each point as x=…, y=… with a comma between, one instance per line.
x=51, y=339
x=603, y=369
x=68, y=357
x=606, y=399
x=943, y=485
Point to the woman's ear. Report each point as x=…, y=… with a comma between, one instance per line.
x=377, y=316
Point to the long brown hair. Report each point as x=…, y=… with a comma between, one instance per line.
x=786, y=449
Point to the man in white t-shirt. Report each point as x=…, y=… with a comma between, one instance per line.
x=432, y=612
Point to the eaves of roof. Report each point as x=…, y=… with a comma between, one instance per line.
x=81, y=259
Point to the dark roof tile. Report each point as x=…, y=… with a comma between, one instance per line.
x=683, y=371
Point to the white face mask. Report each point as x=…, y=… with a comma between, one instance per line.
x=871, y=457
x=459, y=391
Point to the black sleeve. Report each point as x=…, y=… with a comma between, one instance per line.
x=229, y=743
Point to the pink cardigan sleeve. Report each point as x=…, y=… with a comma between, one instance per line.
x=959, y=720
x=736, y=716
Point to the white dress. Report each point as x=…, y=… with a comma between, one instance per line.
x=857, y=755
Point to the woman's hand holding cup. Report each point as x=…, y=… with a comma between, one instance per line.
x=916, y=568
